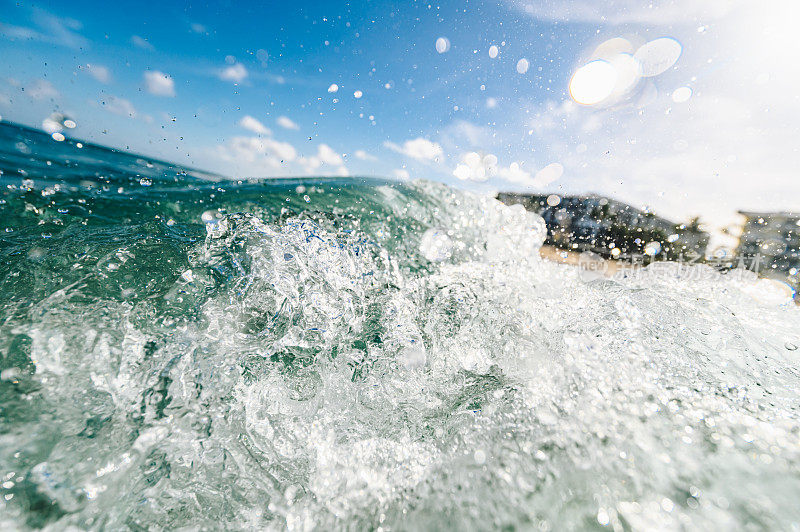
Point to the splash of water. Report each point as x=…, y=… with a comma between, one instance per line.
x=374, y=355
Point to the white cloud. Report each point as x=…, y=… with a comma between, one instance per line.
x=11, y=32
x=141, y=42
x=402, y=174
x=234, y=73
x=364, y=156
x=419, y=148
x=63, y=30
x=100, y=73
x=461, y=135
x=119, y=106
x=514, y=173
x=287, y=123
x=252, y=124
x=49, y=29
x=327, y=155
x=257, y=154
x=159, y=84
x=41, y=89
x=657, y=12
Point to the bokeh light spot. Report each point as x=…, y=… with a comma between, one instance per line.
x=681, y=94
x=658, y=56
x=593, y=82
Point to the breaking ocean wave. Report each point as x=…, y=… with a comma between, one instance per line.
x=179, y=352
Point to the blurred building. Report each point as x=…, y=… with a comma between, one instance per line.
x=611, y=228
x=770, y=244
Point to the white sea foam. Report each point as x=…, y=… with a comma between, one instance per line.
x=451, y=379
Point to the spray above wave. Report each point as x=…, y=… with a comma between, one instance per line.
x=356, y=354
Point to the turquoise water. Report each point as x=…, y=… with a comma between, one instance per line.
x=181, y=351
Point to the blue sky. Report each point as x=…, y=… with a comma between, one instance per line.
x=476, y=94
x=266, y=62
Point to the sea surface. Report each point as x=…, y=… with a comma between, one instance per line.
x=183, y=352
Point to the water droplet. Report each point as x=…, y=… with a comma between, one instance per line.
x=435, y=245
x=548, y=174
x=593, y=82
x=681, y=94
x=658, y=56
x=652, y=249
x=210, y=216
x=602, y=517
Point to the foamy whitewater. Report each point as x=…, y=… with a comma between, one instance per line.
x=351, y=354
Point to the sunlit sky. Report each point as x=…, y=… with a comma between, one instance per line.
x=688, y=107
